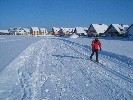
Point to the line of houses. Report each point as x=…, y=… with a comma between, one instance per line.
x=68, y=31
x=113, y=30
x=24, y=31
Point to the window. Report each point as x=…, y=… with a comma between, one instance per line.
x=121, y=29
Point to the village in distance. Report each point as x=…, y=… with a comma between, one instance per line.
x=113, y=30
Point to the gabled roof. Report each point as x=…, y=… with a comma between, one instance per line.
x=100, y=28
x=26, y=29
x=42, y=29
x=130, y=27
x=35, y=28
x=119, y=27
x=15, y=28
x=10, y=29
x=85, y=28
x=67, y=29
x=80, y=29
x=55, y=28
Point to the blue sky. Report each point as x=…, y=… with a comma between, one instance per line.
x=64, y=13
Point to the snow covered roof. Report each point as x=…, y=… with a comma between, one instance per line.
x=100, y=28
x=4, y=31
x=15, y=29
x=42, y=29
x=129, y=27
x=55, y=28
x=67, y=29
x=26, y=29
x=80, y=29
x=10, y=29
x=35, y=28
x=86, y=28
x=120, y=27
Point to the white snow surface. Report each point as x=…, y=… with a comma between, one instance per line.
x=54, y=68
x=74, y=36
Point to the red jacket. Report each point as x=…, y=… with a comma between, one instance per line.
x=95, y=44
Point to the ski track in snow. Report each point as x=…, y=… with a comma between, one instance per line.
x=117, y=65
x=59, y=69
x=108, y=69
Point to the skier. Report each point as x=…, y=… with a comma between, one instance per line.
x=95, y=44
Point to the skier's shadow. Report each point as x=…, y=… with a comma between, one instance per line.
x=122, y=58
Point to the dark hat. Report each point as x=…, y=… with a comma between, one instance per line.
x=96, y=35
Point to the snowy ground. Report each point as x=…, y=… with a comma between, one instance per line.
x=53, y=68
x=12, y=46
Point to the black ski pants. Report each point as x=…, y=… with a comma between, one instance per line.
x=94, y=51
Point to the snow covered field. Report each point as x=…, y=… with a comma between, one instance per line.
x=55, y=68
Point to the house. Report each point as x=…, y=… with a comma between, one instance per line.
x=81, y=31
x=43, y=31
x=55, y=31
x=34, y=31
x=16, y=31
x=26, y=31
x=97, y=29
x=65, y=31
x=116, y=30
x=4, y=32
x=130, y=30
x=11, y=31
